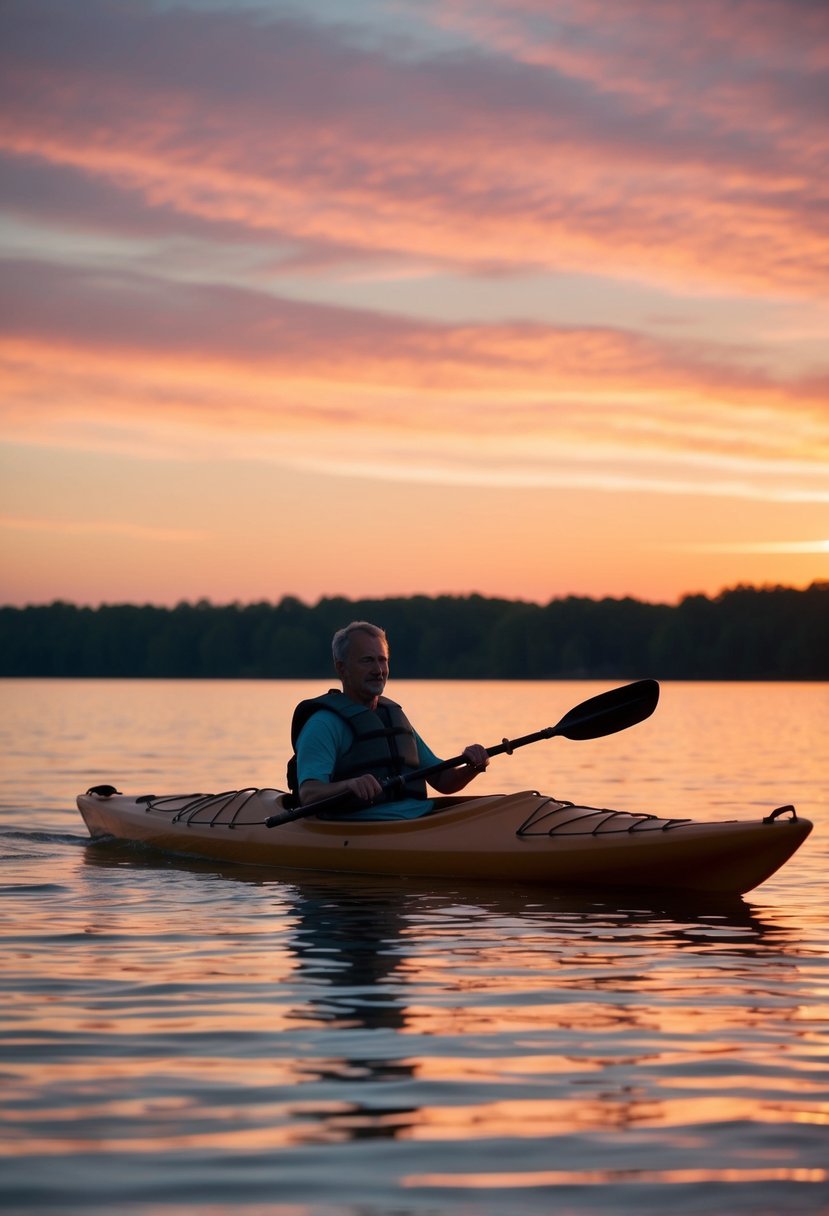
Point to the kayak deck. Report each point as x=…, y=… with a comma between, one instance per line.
x=521, y=837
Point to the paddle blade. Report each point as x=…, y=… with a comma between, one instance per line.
x=610, y=711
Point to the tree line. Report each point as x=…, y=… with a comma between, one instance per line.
x=744, y=633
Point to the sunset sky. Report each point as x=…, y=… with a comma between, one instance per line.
x=379, y=297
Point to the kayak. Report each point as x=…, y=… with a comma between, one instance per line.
x=522, y=837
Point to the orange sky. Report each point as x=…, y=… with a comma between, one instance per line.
x=523, y=297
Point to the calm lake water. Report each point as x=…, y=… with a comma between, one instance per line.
x=180, y=1038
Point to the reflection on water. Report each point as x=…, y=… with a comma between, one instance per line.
x=504, y=1041
x=181, y=1037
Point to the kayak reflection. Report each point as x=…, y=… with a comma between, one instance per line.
x=410, y=1010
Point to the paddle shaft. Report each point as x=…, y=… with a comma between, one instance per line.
x=604, y=714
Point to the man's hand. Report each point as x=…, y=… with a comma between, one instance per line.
x=476, y=757
x=367, y=788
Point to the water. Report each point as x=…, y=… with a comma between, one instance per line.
x=182, y=1038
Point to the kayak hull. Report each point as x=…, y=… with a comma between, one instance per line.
x=522, y=837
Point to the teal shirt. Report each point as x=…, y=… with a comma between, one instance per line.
x=324, y=738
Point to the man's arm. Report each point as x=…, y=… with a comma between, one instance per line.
x=366, y=788
x=455, y=779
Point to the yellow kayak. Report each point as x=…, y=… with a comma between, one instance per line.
x=523, y=837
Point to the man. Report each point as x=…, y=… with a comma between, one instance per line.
x=347, y=742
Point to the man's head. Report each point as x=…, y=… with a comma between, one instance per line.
x=361, y=660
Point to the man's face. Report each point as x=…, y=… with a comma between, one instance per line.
x=365, y=671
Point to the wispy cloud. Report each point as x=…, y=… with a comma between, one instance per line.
x=255, y=362
x=528, y=152
x=760, y=546
x=99, y=527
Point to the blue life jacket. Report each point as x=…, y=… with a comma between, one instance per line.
x=383, y=743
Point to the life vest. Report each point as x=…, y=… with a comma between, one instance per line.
x=383, y=743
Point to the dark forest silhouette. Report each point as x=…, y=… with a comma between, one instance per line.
x=743, y=633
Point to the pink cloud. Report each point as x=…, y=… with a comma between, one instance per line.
x=104, y=347
x=563, y=153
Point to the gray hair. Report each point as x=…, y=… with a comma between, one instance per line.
x=342, y=638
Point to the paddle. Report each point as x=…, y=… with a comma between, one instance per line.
x=605, y=714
